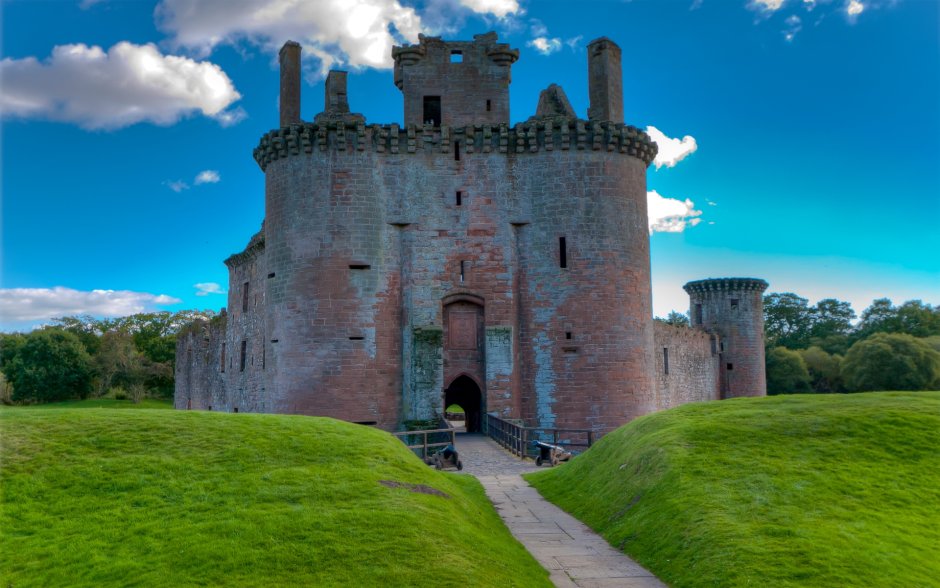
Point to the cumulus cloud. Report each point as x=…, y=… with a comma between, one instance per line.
x=498, y=8
x=208, y=176
x=36, y=304
x=671, y=151
x=853, y=8
x=126, y=85
x=669, y=215
x=206, y=288
x=544, y=45
x=766, y=5
x=358, y=33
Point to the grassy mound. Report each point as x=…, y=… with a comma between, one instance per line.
x=837, y=490
x=166, y=498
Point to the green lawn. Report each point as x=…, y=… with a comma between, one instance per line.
x=176, y=498
x=808, y=490
x=108, y=403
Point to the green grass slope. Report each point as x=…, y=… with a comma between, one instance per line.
x=835, y=490
x=166, y=498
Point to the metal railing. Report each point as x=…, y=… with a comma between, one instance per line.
x=517, y=438
x=424, y=445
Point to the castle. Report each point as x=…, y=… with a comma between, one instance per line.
x=455, y=259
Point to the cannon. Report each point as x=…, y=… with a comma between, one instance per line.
x=446, y=459
x=552, y=454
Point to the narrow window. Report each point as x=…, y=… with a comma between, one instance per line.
x=235, y=409
x=459, y=198
x=456, y=150
x=562, y=252
x=432, y=110
x=456, y=57
x=698, y=314
x=359, y=266
x=666, y=360
x=356, y=338
x=567, y=334
x=264, y=355
x=730, y=366
x=271, y=275
x=489, y=105
x=244, y=355
x=245, y=297
x=734, y=304
x=462, y=264
x=222, y=365
x=210, y=407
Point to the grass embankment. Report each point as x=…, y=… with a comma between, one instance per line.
x=167, y=498
x=835, y=490
x=146, y=403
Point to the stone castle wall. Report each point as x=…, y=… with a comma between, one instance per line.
x=686, y=365
x=402, y=266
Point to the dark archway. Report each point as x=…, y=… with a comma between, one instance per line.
x=465, y=393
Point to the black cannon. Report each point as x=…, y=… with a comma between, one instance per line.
x=446, y=459
x=549, y=453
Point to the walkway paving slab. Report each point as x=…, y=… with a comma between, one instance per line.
x=573, y=554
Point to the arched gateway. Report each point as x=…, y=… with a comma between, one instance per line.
x=466, y=394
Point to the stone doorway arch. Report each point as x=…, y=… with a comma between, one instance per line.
x=466, y=394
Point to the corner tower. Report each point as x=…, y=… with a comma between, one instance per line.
x=455, y=83
x=734, y=309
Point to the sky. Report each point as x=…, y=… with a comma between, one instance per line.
x=799, y=139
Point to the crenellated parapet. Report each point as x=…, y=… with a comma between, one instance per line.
x=725, y=285
x=253, y=249
x=531, y=136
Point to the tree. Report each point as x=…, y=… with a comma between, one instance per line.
x=786, y=372
x=114, y=360
x=677, y=319
x=891, y=361
x=913, y=317
x=51, y=365
x=824, y=369
x=787, y=320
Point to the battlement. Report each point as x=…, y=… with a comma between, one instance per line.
x=528, y=137
x=725, y=285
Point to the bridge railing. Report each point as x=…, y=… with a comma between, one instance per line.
x=517, y=438
x=421, y=437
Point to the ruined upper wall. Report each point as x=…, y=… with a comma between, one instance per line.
x=455, y=83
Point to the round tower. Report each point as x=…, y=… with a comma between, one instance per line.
x=734, y=309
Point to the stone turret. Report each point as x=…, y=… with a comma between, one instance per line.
x=733, y=308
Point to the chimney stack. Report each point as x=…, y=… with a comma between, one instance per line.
x=290, y=83
x=336, y=100
x=605, y=81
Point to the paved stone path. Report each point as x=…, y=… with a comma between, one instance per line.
x=573, y=554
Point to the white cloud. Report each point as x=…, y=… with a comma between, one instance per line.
x=853, y=8
x=669, y=215
x=36, y=304
x=499, y=8
x=793, y=26
x=176, y=185
x=767, y=5
x=86, y=4
x=359, y=33
x=671, y=151
x=206, y=288
x=544, y=45
x=209, y=176
x=126, y=85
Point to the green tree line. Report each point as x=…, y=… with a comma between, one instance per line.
x=78, y=357
x=821, y=347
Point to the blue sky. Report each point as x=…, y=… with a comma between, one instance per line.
x=128, y=128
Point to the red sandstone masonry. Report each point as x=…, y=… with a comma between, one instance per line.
x=373, y=287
